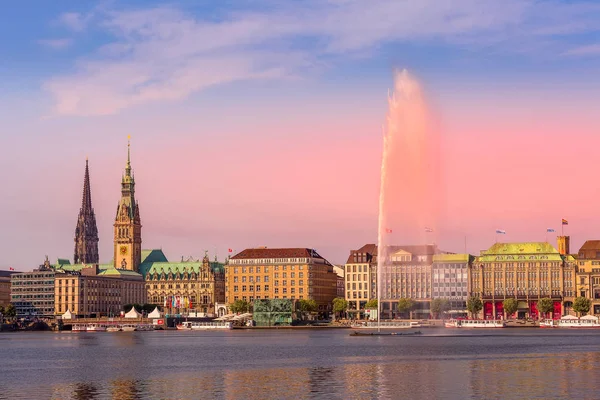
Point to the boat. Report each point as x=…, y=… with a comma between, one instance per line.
x=128, y=328
x=184, y=326
x=96, y=328
x=144, y=327
x=388, y=325
x=113, y=328
x=475, y=323
x=79, y=328
x=385, y=333
x=570, y=321
x=205, y=325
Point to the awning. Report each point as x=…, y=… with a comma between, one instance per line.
x=522, y=305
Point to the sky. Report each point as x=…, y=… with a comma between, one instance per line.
x=259, y=123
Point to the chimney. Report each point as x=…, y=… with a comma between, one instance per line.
x=563, y=244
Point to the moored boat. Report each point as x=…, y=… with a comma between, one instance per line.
x=79, y=328
x=210, y=325
x=128, y=328
x=113, y=328
x=96, y=328
x=388, y=325
x=184, y=326
x=475, y=323
x=570, y=321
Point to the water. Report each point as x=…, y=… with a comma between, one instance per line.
x=410, y=195
x=300, y=364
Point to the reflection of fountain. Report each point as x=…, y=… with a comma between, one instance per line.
x=409, y=176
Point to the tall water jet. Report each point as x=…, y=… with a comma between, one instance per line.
x=409, y=191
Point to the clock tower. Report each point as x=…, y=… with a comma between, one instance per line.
x=128, y=226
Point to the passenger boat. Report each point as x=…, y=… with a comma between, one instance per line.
x=385, y=333
x=570, y=321
x=184, y=326
x=96, y=328
x=144, y=327
x=388, y=325
x=79, y=328
x=475, y=323
x=128, y=328
x=206, y=325
x=113, y=328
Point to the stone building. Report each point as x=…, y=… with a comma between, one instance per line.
x=588, y=274
x=32, y=293
x=526, y=271
x=182, y=287
x=288, y=273
x=5, y=287
x=451, y=280
x=86, y=231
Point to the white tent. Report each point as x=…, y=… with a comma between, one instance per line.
x=68, y=315
x=133, y=313
x=590, y=317
x=155, y=314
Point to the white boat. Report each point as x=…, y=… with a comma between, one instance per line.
x=79, y=328
x=128, y=328
x=570, y=321
x=210, y=325
x=113, y=328
x=144, y=327
x=474, y=323
x=388, y=325
x=96, y=328
x=184, y=326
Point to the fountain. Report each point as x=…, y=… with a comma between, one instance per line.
x=408, y=197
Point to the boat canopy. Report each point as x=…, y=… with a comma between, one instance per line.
x=590, y=318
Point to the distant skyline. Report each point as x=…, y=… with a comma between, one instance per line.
x=259, y=122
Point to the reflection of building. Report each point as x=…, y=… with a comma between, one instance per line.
x=588, y=274
x=451, y=279
x=5, y=287
x=339, y=270
x=291, y=273
x=525, y=271
x=32, y=293
x=93, y=291
x=192, y=284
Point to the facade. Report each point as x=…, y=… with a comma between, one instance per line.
x=94, y=291
x=289, y=273
x=341, y=291
x=588, y=274
x=5, y=287
x=186, y=286
x=525, y=271
x=360, y=277
x=128, y=225
x=451, y=279
x=32, y=293
x=86, y=232
x=406, y=273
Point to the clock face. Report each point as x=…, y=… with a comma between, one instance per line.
x=123, y=250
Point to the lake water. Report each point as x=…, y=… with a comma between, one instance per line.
x=301, y=364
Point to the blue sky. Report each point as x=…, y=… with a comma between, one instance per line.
x=214, y=77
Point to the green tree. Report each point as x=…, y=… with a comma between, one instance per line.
x=582, y=305
x=405, y=305
x=545, y=306
x=474, y=305
x=307, y=306
x=339, y=305
x=510, y=306
x=439, y=306
x=239, y=306
x=371, y=303
x=10, y=311
x=2, y=310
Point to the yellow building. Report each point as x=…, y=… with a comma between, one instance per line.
x=360, y=278
x=92, y=290
x=588, y=274
x=289, y=273
x=525, y=271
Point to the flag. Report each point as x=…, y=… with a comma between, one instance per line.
x=231, y=250
x=549, y=230
x=165, y=301
x=11, y=269
x=428, y=230
x=190, y=305
x=565, y=222
x=388, y=230
x=500, y=231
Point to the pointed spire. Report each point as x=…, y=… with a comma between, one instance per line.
x=128, y=166
x=86, y=200
x=86, y=232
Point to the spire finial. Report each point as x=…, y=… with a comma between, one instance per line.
x=128, y=166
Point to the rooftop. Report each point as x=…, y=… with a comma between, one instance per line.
x=263, y=252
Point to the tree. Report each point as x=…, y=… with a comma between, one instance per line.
x=474, y=305
x=339, y=305
x=371, y=303
x=307, y=306
x=510, y=306
x=545, y=306
x=582, y=305
x=239, y=306
x=439, y=306
x=405, y=305
x=2, y=310
x=10, y=311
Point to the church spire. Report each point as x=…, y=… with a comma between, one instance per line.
x=86, y=231
x=128, y=165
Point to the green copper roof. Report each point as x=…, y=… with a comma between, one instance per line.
x=153, y=255
x=63, y=261
x=520, y=252
x=179, y=267
x=117, y=272
x=452, y=258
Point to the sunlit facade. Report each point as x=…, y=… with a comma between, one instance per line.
x=588, y=273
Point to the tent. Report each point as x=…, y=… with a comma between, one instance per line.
x=133, y=313
x=68, y=315
x=590, y=317
x=155, y=314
